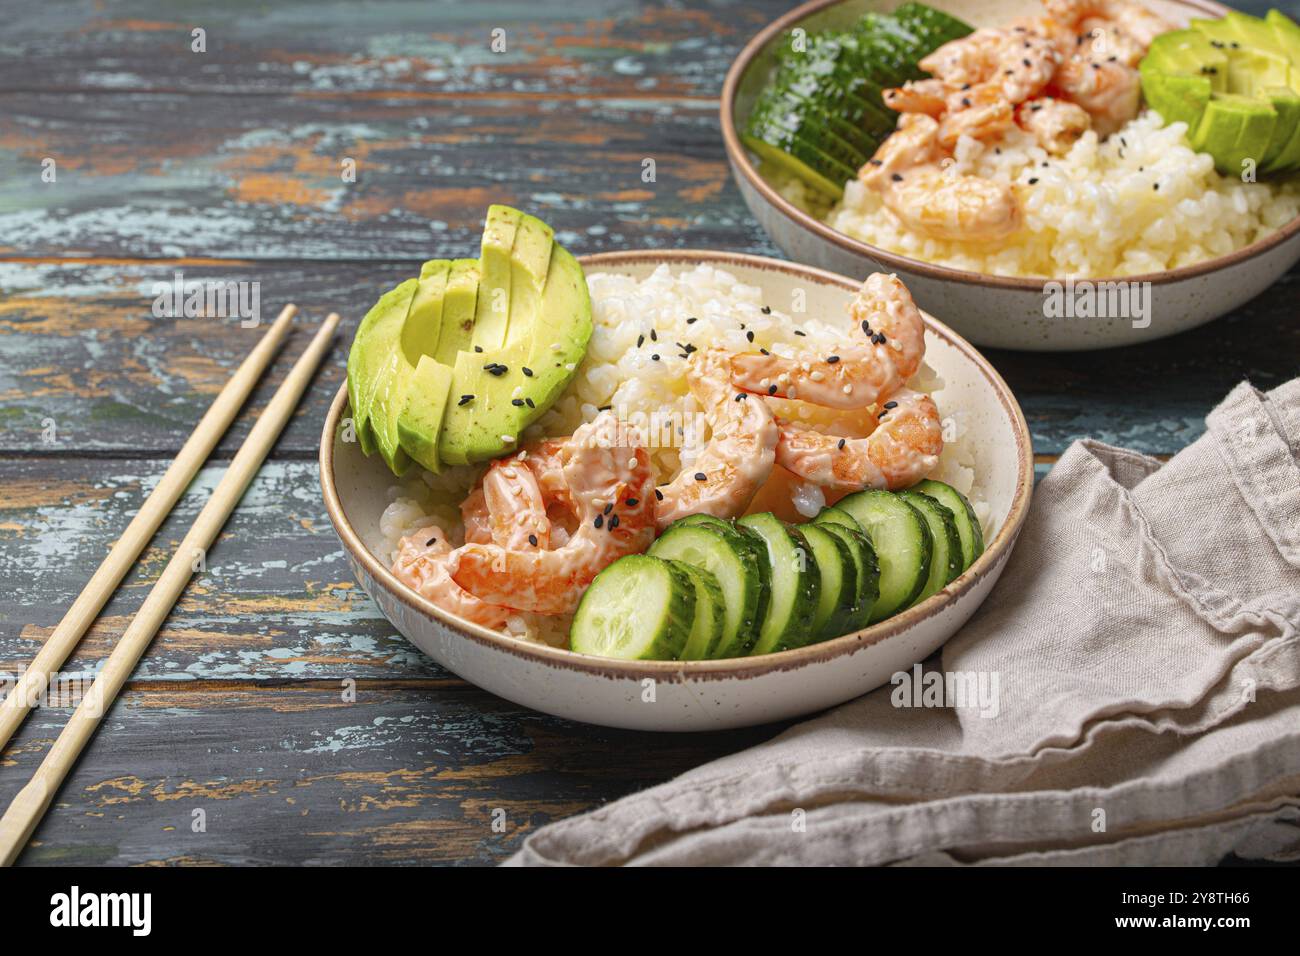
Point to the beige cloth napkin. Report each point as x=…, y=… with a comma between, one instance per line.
x=1145, y=638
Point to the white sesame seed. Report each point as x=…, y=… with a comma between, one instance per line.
x=848, y=389
x=508, y=439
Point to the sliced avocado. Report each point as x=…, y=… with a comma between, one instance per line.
x=512, y=387
x=1287, y=34
x=419, y=426
x=423, y=325
x=377, y=338
x=492, y=316
x=1251, y=70
x=530, y=261
x=1252, y=32
x=1234, y=129
x=1177, y=97
x=390, y=397
x=458, y=307
x=1284, y=149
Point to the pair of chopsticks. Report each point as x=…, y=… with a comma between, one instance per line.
x=29, y=806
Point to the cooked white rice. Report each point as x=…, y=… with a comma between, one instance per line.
x=635, y=320
x=1142, y=201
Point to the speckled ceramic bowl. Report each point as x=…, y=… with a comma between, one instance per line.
x=706, y=695
x=989, y=310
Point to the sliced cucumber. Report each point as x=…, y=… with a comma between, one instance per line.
x=968, y=526
x=739, y=563
x=866, y=572
x=945, y=561
x=638, y=609
x=710, y=613
x=903, y=546
x=838, y=603
x=833, y=515
x=795, y=585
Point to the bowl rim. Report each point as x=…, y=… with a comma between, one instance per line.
x=739, y=667
x=741, y=166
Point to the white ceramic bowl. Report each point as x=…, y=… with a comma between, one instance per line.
x=989, y=310
x=705, y=695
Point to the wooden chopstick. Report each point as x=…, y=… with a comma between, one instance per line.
x=36, y=679
x=33, y=800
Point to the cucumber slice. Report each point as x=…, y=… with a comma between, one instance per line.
x=866, y=585
x=945, y=561
x=638, y=609
x=710, y=613
x=903, y=546
x=968, y=526
x=833, y=515
x=739, y=564
x=838, y=603
x=933, y=27
x=795, y=584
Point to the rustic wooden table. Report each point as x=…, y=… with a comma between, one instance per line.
x=234, y=742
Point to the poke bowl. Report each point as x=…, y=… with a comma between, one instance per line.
x=1138, y=229
x=643, y=678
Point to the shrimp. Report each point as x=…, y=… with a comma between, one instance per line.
x=738, y=458
x=1107, y=89
x=517, y=512
x=948, y=205
x=542, y=459
x=968, y=60
x=985, y=113
x=611, y=488
x=1056, y=124
x=1025, y=64
x=886, y=349
x=902, y=449
x=914, y=143
x=919, y=96
x=423, y=562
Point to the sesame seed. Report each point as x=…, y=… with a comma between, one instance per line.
x=631, y=502
x=508, y=439
x=800, y=333
x=640, y=341
x=465, y=399
x=1032, y=180
x=771, y=390
x=896, y=177
x=692, y=320
x=882, y=414
x=841, y=444
x=655, y=356
x=832, y=359
x=701, y=476
x=749, y=335
x=891, y=404
x=654, y=336
x=478, y=348
x=608, y=508
x=532, y=539
x=766, y=310
x=613, y=522
x=529, y=403
x=1155, y=186
x=526, y=370
x=517, y=402
x=659, y=495
x=600, y=521
x=431, y=542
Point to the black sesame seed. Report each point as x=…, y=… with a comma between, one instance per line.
x=771, y=390
x=1032, y=180
x=866, y=327
x=604, y=408
x=882, y=414
x=640, y=341
x=891, y=404
x=608, y=508
x=600, y=521
x=1155, y=186
x=896, y=177
x=613, y=522
x=840, y=445
x=654, y=336
x=965, y=100
x=766, y=310
x=876, y=162
x=800, y=333
x=529, y=403
x=832, y=359
x=465, y=399
x=532, y=539
x=764, y=352
x=659, y=495
x=631, y=502
x=692, y=320
x=431, y=542
x=701, y=476
x=655, y=356
x=526, y=370
x=478, y=348
x=517, y=402
x=750, y=335
x=1026, y=60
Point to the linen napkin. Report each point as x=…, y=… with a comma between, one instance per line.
x=1140, y=659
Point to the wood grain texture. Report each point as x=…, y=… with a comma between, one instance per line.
x=262, y=177
x=227, y=165
x=608, y=48
x=299, y=775
x=83, y=353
